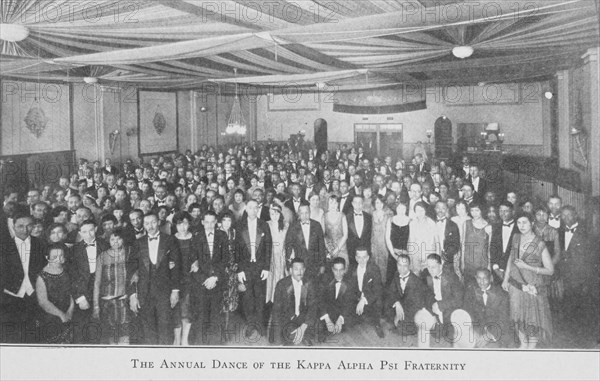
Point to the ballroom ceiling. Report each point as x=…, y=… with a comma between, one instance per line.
x=354, y=44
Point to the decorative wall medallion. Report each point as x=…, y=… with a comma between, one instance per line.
x=36, y=120
x=159, y=121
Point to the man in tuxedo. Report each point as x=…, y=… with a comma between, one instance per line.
x=209, y=276
x=295, y=307
x=304, y=239
x=420, y=165
x=336, y=302
x=446, y=292
x=381, y=187
x=555, y=206
x=464, y=169
x=405, y=295
x=345, y=198
x=365, y=281
x=109, y=168
x=81, y=267
x=22, y=258
x=488, y=307
x=254, y=246
x=296, y=201
x=578, y=267
x=309, y=187
x=263, y=210
x=135, y=229
x=156, y=260
x=448, y=237
x=468, y=194
x=479, y=185
x=326, y=179
x=501, y=240
x=359, y=229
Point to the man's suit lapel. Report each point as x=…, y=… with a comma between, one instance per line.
x=145, y=253
x=351, y=224
x=301, y=236
x=246, y=237
x=259, y=234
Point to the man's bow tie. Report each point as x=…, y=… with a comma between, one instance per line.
x=552, y=218
x=508, y=225
x=404, y=278
x=570, y=230
x=152, y=238
x=436, y=277
x=441, y=219
x=93, y=244
x=358, y=214
x=306, y=223
x=210, y=233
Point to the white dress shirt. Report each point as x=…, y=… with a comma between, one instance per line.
x=24, y=248
x=309, y=190
x=153, y=248
x=343, y=200
x=475, y=182
x=569, y=236
x=437, y=286
x=296, y=204
x=359, y=222
x=485, y=295
x=360, y=273
x=403, y=281
x=554, y=221
x=506, y=230
x=297, y=295
x=338, y=284
x=92, y=255
x=440, y=228
x=306, y=232
x=210, y=239
x=252, y=233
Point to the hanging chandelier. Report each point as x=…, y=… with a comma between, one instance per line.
x=236, y=124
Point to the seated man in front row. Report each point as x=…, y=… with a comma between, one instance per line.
x=488, y=313
x=336, y=307
x=406, y=294
x=444, y=297
x=294, y=307
x=365, y=281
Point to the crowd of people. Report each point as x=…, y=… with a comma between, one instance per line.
x=302, y=245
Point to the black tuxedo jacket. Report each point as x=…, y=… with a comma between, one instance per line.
x=264, y=247
x=314, y=256
x=494, y=314
x=451, y=242
x=290, y=204
x=413, y=298
x=284, y=306
x=578, y=263
x=372, y=287
x=11, y=272
x=215, y=265
x=78, y=267
x=263, y=214
x=452, y=293
x=342, y=306
x=497, y=255
x=423, y=168
x=353, y=192
x=482, y=187
x=354, y=241
x=347, y=208
x=157, y=282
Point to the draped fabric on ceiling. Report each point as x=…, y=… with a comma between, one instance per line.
x=349, y=43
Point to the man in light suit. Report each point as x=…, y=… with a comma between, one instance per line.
x=295, y=307
x=156, y=260
x=254, y=246
x=304, y=239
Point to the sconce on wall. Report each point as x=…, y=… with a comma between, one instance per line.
x=112, y=142
x=203, y=109
x=580, y=138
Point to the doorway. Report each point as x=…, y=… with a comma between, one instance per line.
x=379, y=139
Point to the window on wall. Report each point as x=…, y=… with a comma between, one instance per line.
x=379, y=139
